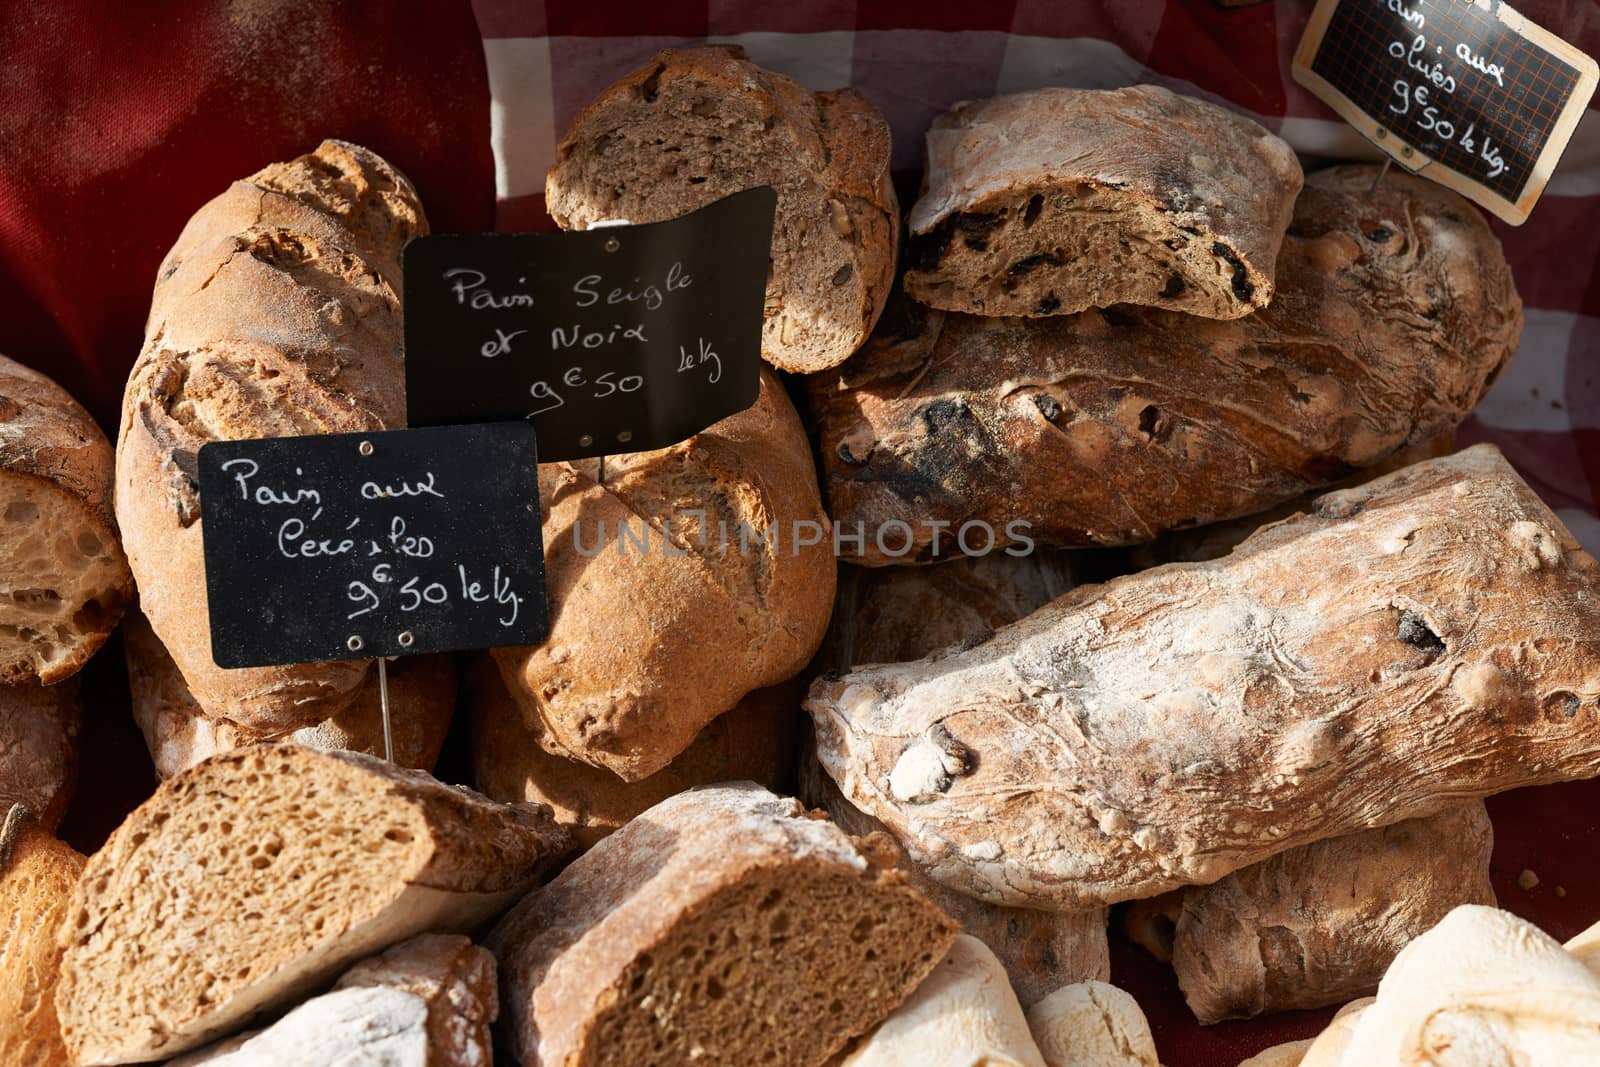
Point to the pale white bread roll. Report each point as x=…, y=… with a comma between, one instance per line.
x=1092, y=1024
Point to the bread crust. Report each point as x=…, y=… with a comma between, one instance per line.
x=826, y=154
x=39, y=748
x=1108, y=428
x=276, y=313
x=36, y=877
x=1427, y=637
x=1203, y=192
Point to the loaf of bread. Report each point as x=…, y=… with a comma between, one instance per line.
x=723, y=924
x=253, y=878
x=649, y=644
x=1054, y=201
x=1585, y=947
x=64, y=580
x=696, y=125
x=39, y=748
x=1040, y=950
x=179, y=733
x=964, y=1014
x=1394, y=312
x=36, y=877
x=755, y=741
x=1319, y=924
x=428, y=1001
x=1092, y=1024
x=276, y=313
x=1427, y=637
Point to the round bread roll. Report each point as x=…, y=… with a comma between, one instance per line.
x=39, y=748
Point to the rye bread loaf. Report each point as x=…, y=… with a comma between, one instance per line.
x=179, y=733
x=647, y=646
x=64, y=580
x=37, y=873
x=428, y=1001
x=276, y=313
x=1092, y=1024
x=695, y=125
x=251, y=879
x=39, y=748
x=964, y=1014
x=1430, y=636
x=1319, y=924
x=755, y=741
x=1054, y=201
x=1394, y=313
x=723, y=925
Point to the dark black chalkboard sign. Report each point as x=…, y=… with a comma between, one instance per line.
x=617, y=339
x=348, y=546
x=1470, y=94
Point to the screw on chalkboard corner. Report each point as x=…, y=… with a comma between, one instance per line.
x=365, y=448
x=612, y=244
x=406, y=639
x=355, y=644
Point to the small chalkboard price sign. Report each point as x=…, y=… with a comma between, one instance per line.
x=616, y=339
x=1467, y=92
x=353, y=546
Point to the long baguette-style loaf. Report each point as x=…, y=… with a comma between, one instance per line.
x=1430, y=636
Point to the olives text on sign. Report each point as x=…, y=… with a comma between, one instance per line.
x=1465, y=92
x=617, y=339
x=383, y=543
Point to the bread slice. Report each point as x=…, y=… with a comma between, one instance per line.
x=39, y=748
x=37, y=873
x=1058, y=200
x=723, y=925
x=64, y=580
x=428, y=1000
x=696, y=125
x=249, y=880
x=755, y=741
x=179, y=733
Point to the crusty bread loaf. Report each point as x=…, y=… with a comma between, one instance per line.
x=1427, y=637
x=695, y=125
x=179, y=733
x=1394, y=312
x=755, y=741
x=1319, y=924
x=249, y=880
x=427, y=1001
x=63, y=577
x=1092, y=1024
x=276, y=313
x=1057, y=200
x=39, y=748
x=964, y=1014
x=648, y=646
x=36, y=877
x=722, y=925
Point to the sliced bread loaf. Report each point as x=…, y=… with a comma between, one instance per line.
x=723, y=925
x=37, y=873
x=252, y=878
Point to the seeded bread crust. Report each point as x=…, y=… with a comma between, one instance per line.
x=696, y=125
x=723, y=919
x=39, y=748
x=276, y=313
x=1395, y=311
x=37, y=873
x=1054, y=201
x=64, y=580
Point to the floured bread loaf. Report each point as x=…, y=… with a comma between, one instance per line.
x=1394, y=312
x=1092, y=1024
x=1319, y=924
x=179, y=733
x=1327, y=1048
x=1586, y=948
x=723, y=924
x=696, y=125
x=1430, y=636
x=1057, y=200
x=64, y=580
x=276, y=313
x=964, y=1014
x=755, y=741
x=428, y=1001
x=37, y=873
x=181, y=926
x=39, y=748
x=1288, y=1054
x=648, y=646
